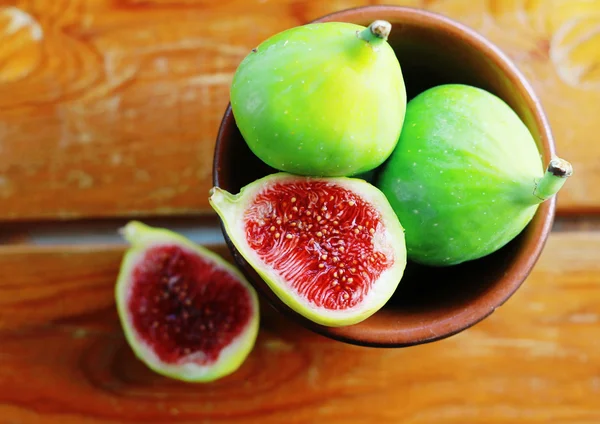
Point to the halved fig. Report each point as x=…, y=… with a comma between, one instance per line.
x=332, y=249
x=186, y=312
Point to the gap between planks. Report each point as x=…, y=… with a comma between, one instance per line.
x=201, y=230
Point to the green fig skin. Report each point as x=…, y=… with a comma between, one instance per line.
x=323, y=99
x=464, y=175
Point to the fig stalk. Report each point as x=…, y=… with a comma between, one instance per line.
x=555, y=177
x=377, y=32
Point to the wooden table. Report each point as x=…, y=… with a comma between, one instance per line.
x=109, y=110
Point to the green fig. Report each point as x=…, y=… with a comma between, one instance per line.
x=466, y=176
x=323, y=99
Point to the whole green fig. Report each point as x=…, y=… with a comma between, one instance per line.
x=323, y=99
x=466, y=176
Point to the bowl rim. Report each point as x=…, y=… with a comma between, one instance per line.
x=540, y=226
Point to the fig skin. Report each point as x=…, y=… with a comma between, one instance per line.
x=141, y=237
x=466, y=176
x=323, y=99
x=231, y=207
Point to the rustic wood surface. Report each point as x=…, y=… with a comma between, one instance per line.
x=63, y=357
x=111, y=107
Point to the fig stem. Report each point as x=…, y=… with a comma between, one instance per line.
x=555, y=177
x=134, y=231
x=376, y=33
x=218, y=195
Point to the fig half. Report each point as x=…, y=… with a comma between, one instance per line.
x=331, y=249
x=186, y=312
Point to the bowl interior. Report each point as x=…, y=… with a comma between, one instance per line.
x=430, y=303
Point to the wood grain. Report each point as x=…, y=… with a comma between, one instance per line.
x=63, y=358
x=111, y=108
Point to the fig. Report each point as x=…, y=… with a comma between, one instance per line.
x=330, y=248
x=186, y=312
x=466, y=176
x=322, y=99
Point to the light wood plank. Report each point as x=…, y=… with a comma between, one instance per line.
x=63, y=358
x=111, y=108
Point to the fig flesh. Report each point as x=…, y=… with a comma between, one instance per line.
x=186, y=312
x=466, y=176
x=331, y=249
x=323, y=99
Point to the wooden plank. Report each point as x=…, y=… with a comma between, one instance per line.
x=63, y=358
x=111, y=108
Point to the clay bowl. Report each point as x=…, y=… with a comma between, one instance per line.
x=430, y=303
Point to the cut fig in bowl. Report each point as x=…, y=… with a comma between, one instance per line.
x=331, y=249
x=186, y=312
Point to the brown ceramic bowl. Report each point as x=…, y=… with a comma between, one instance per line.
x=430, y=303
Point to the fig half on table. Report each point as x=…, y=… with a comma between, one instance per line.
x=186, y=312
